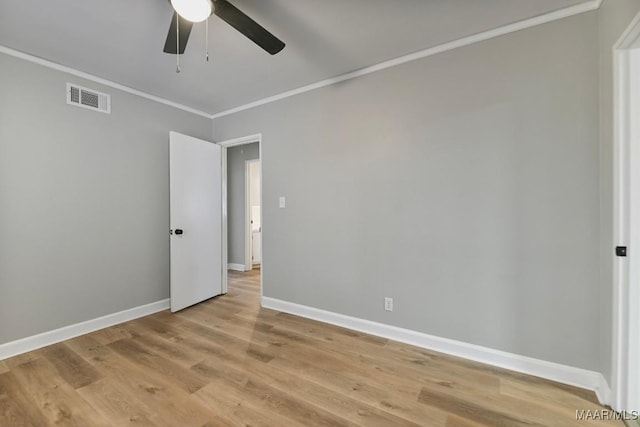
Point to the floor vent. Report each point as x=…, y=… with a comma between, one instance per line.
x=88, y=98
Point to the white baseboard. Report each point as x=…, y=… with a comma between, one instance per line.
x=44, y=339
x=603, y=391
x=540, y=368
x=236, y=267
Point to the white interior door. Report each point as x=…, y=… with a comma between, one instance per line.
x=195, y=171
x=256, y=247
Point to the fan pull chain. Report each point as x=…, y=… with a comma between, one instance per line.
x=177, y=43
x=206, y=36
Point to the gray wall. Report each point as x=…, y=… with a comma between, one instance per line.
x=463, y=185
x=236, y=156
x=84, y=198
x=614, y=17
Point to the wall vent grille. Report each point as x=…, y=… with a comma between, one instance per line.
x=88, y=98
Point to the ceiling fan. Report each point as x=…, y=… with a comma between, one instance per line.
x=186, y=12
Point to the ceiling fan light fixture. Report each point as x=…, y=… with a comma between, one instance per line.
x=193, y=10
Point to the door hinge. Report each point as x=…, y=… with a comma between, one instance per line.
x=621, y=251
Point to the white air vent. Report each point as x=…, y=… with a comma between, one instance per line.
x=88, y=98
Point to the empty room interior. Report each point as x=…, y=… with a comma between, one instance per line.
x=320, y=213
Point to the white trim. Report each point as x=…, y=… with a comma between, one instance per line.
x=100, y=80
x=630, y=35
x=603, y=392
x=236, y=267
x=35, y=342
x=261, y=219
x=465, y=41
x=249, y=139
x=248, y=230
x=225, y=224
x=540, y=368
x=248, y=264
x=625, y=391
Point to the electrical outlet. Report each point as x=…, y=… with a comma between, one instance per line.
x=388, y=304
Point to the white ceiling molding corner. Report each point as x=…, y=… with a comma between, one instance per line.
x=100, y=80
x=465, y=41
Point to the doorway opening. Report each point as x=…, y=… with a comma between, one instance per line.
x=626, y=298
x=252, y=214
x=242, y=207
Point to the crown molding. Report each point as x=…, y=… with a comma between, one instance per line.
x=465, y=41
x=63, y=68
x=587, y=6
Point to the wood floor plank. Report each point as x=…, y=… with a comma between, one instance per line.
x=332, y=330
x=109, y=335
x=162, y=324
x=399, y=400
x=171, y=404
x=238, y=407
x=439, y=359
x=116, y=405
x=143, y=357
x=367, y=352
x=56, y=399
x=220, y=337
x=472, y=411
x=339, y=404
x=229, y=362
x=344, y=364
x=18, y=360
x=16, y=406
x=301, y=411
x=267, y=399
x=456, y=421
x=554, y=400
x=77, y=372
x=422, y=369
x=169, y=347
x=548, y=396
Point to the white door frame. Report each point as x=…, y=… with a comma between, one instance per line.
x=625, y=385
x=248, y=229
x=249, y=139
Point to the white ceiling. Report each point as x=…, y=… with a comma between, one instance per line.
x=122, y=40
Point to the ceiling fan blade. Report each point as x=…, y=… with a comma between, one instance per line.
x=185, y=30
x=247, y=26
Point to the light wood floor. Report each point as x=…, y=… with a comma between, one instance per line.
x=229, y=362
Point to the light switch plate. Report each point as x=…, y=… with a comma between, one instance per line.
x=282, y=202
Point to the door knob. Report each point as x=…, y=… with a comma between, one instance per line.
x=179, y=231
